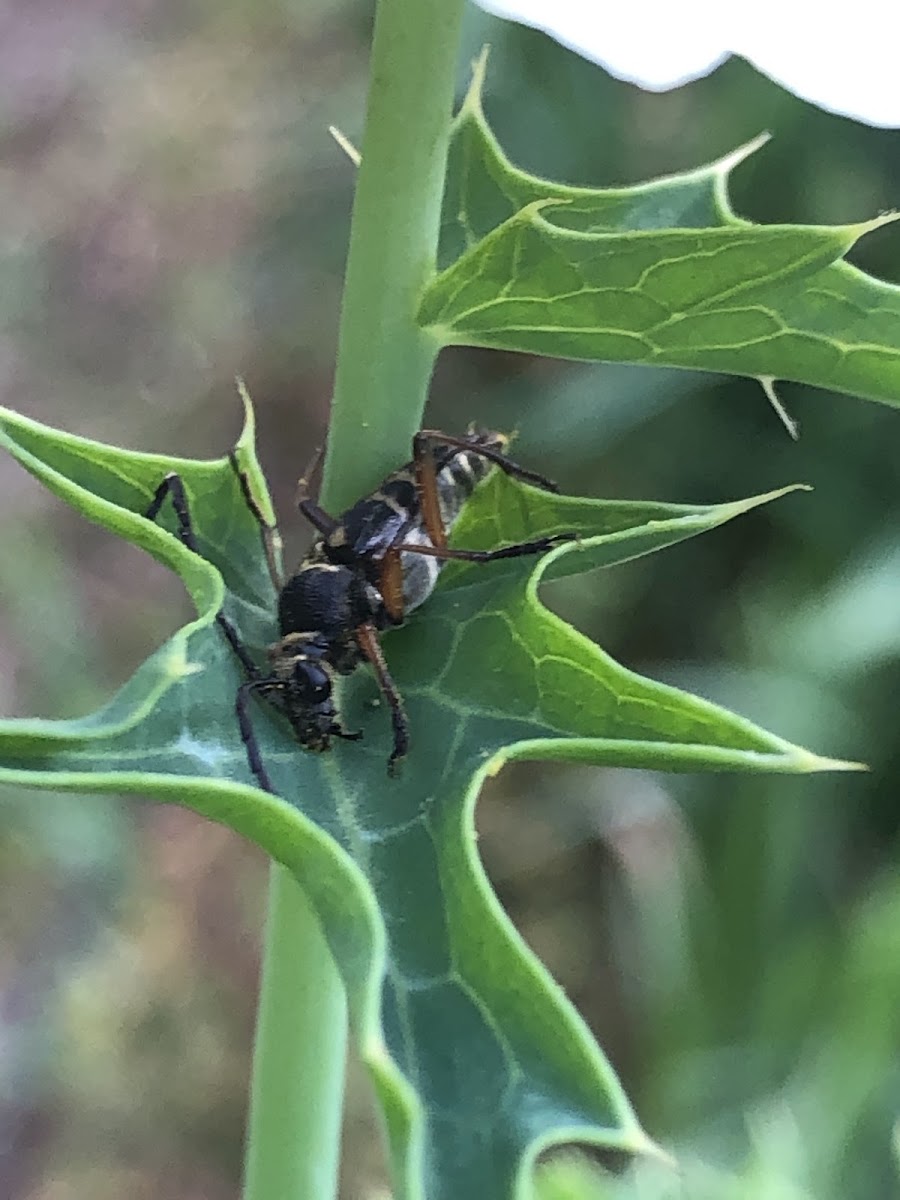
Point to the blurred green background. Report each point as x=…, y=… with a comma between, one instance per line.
x=174, y=212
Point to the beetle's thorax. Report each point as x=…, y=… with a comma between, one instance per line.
x=328, y=600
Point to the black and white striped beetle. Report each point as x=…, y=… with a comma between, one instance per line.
x=366, y=570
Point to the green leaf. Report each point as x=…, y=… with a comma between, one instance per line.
x=662, y=273
x=478, y=1058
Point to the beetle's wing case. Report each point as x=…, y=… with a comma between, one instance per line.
x=391, y=513
x=374, y=523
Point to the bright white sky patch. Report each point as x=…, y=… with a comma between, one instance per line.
x=842, y=58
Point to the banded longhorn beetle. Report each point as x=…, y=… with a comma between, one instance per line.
x=365, y=572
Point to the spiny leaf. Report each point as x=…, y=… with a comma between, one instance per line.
x=661, y=273
x=477, y=1055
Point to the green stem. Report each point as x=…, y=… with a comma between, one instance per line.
x=383, y=370
x=384, y=360
x=297, y=1089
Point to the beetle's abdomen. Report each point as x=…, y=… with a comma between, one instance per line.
x=457, y=478
x=460, y=475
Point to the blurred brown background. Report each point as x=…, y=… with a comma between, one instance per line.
x=174, y=212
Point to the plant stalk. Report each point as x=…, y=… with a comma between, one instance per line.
x=297, y=1087
x=385, y=360
x=383, y=371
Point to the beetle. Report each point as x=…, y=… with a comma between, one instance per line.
x=365, y=572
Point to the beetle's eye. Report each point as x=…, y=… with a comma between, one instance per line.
x=312, y=682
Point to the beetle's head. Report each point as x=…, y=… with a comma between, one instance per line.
x=301, y=664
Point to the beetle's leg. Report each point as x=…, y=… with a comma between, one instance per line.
x=348, y=735
x=390, y=584
x=320, y=520
x=173, y=486
x=515, y=550
x=427, y=489
x=317, y=517
x=425, y=437
x=367, y=639
x=234, y=641
x=268, y=531
x=248, y=734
